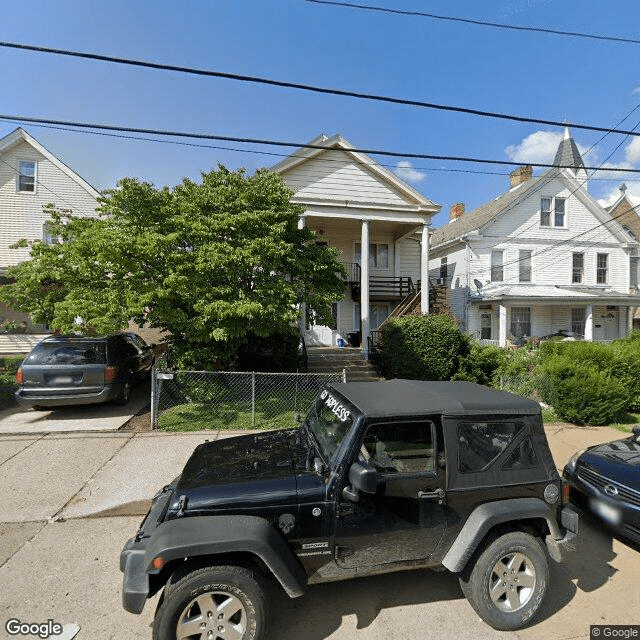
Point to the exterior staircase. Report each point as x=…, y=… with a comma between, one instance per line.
x=337, y=360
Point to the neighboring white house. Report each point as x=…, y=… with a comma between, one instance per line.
x=31, y=177
x=377, y=222
x=542, y=258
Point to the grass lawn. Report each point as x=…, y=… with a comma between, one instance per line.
x=194, y=417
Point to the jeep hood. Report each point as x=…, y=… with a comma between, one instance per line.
x=232, y=473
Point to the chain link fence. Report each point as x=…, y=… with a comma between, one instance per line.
x=190, y=400
x=531, y=385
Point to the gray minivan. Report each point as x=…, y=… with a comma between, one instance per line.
x=69, y=370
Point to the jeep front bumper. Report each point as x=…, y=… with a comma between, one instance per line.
x=134, y=562
x=561, y=548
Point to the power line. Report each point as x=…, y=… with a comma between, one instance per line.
x=306, y=87
x=481, y=23
x=281, y=143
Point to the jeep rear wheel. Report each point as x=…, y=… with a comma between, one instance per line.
x=214, y=603
x=508, y=581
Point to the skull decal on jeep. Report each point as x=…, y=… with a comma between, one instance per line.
x=286, y=522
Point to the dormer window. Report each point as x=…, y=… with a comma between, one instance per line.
x=27, y=176
x=552, y=212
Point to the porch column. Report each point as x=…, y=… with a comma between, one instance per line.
x=623, y=321
x=631, y=312
x=424, y=270
x=364, y=285
x=502, y=326
x=588, y=324
x=302, y=319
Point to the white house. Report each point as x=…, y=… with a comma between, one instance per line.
x=377, y=222
x=542, y=258
x=31, y=177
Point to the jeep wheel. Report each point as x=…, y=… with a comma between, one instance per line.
x=508, y=580
x=213, y=603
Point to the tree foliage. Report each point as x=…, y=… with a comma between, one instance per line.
x=211, y=263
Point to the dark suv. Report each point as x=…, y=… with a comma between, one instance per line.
x=380, y=476
x=67, y=370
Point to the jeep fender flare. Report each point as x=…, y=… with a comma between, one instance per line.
x=486, y=516
x=208, y=535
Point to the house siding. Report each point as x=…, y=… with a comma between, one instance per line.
x=21, y=214
x=338, y=176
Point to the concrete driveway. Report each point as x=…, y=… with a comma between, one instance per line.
x=71, y=500
x=91, y=417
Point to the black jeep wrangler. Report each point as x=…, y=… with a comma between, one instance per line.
x=380, y=476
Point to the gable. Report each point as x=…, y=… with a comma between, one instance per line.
x=336, y=175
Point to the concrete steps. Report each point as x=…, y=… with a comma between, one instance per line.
x=335, y=360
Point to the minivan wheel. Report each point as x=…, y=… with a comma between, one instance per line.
x=125, y=391
x=508, y=581
x=213, y=602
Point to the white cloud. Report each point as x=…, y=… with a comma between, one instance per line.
x=541, y=148
x=405, y=170
x=636, y=90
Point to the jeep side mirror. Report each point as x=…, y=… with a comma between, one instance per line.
x=363, y=477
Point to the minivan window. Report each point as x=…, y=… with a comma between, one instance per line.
x=68, y=352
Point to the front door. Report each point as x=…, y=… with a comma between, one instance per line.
x=404, y=520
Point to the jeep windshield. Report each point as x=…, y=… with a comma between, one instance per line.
x=329, y=421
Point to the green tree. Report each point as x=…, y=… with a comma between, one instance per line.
x=213, y=263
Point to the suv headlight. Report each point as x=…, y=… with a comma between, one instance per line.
x=571, y=465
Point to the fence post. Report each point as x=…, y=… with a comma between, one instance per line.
x=344, y=375
x=253, y=399
x=154, y=412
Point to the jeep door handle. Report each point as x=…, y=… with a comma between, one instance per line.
x=438, y=495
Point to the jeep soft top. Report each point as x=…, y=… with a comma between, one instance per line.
x=379, y=476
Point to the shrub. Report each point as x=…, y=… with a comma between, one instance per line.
x=423, y=348
x=482, y=364
x=580, y=393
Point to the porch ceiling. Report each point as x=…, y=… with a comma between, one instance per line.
x=343, y=226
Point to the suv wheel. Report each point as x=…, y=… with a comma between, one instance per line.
x=214, y=602
x=508, y=580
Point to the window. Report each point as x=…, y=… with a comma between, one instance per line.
x=49, y=235
x=559, y=212
x=27, y=176
x=602, y=268
x=578, y=321
x=480, y=443
x=497, y=269
x=547, y=205
x=443, y=268
x=545, y=212
x=578, y=268
x=520, y=322
x=399, y=447
x=378, y=255
x=485, y=326
x=524, y=265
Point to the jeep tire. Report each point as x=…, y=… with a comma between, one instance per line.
x=507, y=580
x=227, y=601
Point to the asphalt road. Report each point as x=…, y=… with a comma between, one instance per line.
x=69, y=502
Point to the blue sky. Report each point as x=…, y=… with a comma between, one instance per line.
x=537, y=75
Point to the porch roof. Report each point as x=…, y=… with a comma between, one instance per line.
x=552, y=295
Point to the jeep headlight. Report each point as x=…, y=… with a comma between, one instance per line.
x=571, y=465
